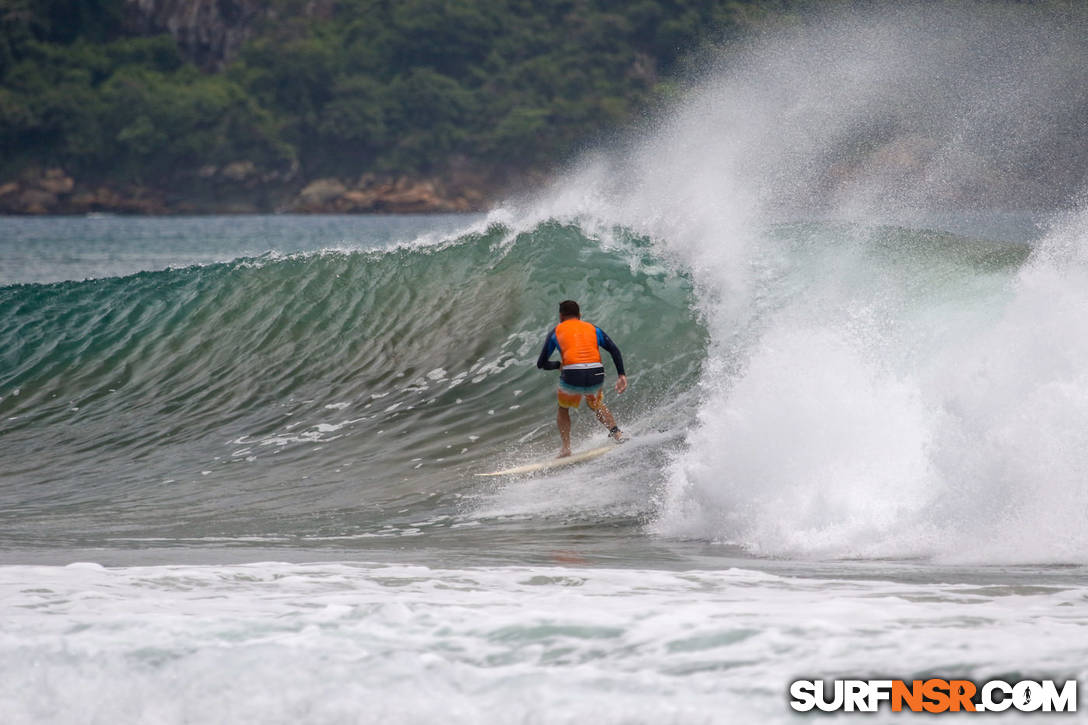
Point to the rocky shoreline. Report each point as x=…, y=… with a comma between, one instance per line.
x=239, y=189
x=899, y=168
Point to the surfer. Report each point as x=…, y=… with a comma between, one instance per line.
x=579, y=344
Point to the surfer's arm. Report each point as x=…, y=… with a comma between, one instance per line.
x=605, y=343
x=550, y=346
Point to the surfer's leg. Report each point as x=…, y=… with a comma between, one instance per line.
x=562, y=418
x=608, y=421
x=596, y=403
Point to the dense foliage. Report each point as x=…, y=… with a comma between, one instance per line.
x=402, y=85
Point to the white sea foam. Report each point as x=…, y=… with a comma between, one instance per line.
x=850, y=406
x=332, y=643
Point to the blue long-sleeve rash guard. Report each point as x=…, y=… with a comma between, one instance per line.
x=551, y=344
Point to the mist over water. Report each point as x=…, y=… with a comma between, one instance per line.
x=867, y=395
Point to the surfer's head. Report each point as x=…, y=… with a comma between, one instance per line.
x=569, y=309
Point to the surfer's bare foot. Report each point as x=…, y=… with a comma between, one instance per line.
x=564, y=453
x=616, y=434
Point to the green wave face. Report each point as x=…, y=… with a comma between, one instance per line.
x=338, y=395
x=329, y=387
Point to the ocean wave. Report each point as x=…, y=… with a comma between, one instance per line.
x=344, y=383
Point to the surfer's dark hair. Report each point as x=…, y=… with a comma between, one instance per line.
x=569, y=308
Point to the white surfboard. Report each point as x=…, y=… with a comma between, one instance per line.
x=553, y=463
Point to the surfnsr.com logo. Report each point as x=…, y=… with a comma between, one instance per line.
x=933, y=695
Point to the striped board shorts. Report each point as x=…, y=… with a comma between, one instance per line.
x=578, y=383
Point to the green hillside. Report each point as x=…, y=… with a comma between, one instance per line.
x=370, y=85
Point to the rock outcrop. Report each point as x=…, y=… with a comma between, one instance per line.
x=393, y=195
x=54, y=192
x=241, y=187
x=208, y=32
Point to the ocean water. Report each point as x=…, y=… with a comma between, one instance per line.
x=243, y=490
x=237, y=455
